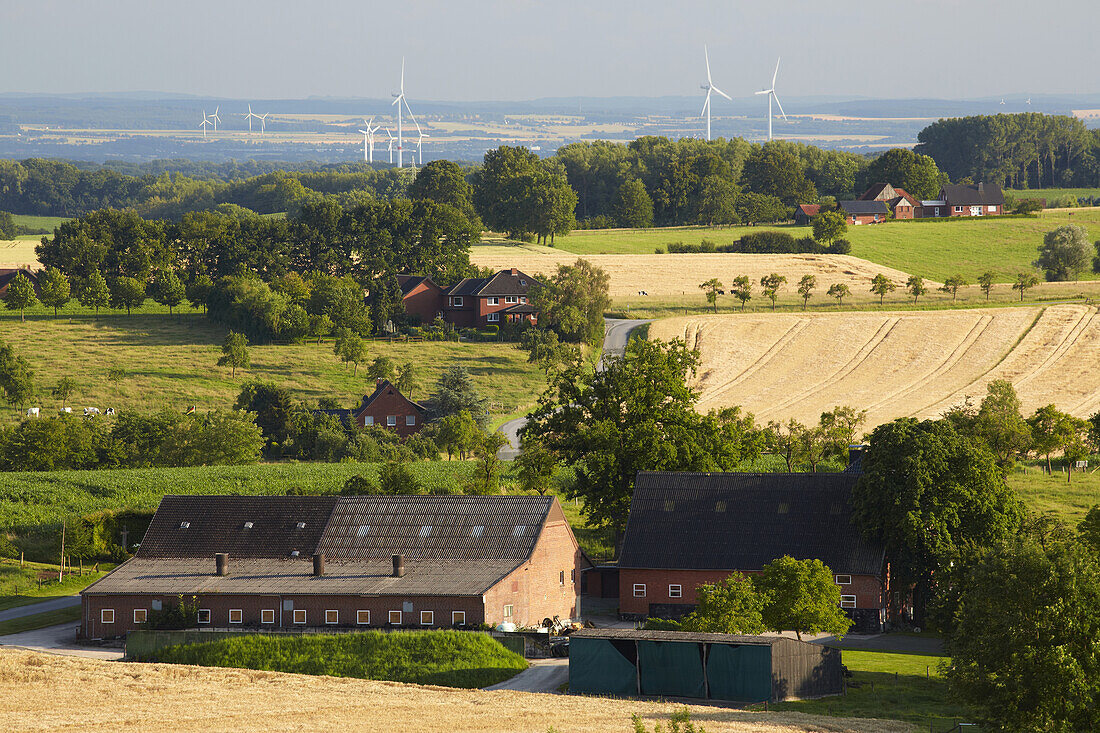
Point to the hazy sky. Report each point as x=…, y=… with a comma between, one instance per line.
x=523, y=49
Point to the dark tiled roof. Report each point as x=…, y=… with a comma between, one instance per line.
x=381, y=387
x=409, y=282
x=742, y=521
x=872, y=193
x=648, y=635
x=467, y=286
x=502, y=283
x=217, y=524
x=173, y=576
x=989, y=194
x=862, y=208
x=519, y=308
x=435, y=527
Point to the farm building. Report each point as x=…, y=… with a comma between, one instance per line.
x=283, y=562
x=687, y=529
x=864, y=212
x=7, y=275
x=900, y=203
x=714, y=666
x=473, y=301
x=982, y=199
x=385, y=408
x=803, y=213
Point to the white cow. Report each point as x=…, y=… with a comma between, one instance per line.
x=66, y=411
x=32, y=412
x=89, y=411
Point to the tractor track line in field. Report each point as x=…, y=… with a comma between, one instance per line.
x=1060, y=349
x=764, y=358
x=852, y=364
x=952, y=359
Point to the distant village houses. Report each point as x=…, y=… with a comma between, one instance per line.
x=473, y=302
x=884, y=201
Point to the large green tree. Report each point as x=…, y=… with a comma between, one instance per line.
x=54, y=289
x=929, y=493
x=1023, y=648
x=632, y=205
x=455, y=392
x=1065, y=253
x=167, y=289
x=95, y=293
x=444, y=182
x=573, y=301
x=235, y=352
x=917, y=174
x=636, y=414
x=801, y=596
x=127, y=292
x=774, y=170
x=16, y=376
x=20, y=294
x=730, y=606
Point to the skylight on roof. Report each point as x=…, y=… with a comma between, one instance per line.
x=248, y=525
x=294, y=553
x=719, y=506
x=519, y=530
x=363, y=531
x=670, y=505
x=425, y=530
x=184, y=525
x=301, y=525
x=476, y=531
x=784, y=507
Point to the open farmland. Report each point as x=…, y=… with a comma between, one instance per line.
x=892, y=364
x=680, y=274
x=166, y=697
x=19, y=253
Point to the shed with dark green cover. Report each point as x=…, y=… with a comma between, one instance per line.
x=710, y=666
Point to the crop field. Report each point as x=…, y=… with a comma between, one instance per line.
x=932, y=249
x=170, y=362
x=19, y=253
x=167, y=697
x=893, y=364
x=680, y=274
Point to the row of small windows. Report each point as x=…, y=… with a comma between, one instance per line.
x=508, y=299
x=332, y=616
x=676, y=590
x=426, y=530
x=391, y=420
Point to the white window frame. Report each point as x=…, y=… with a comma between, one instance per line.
x=958, y=209
x=523, y=299
x=240, y=615
x=359, y=618
x=368, y=420
x=305, y=616
x=399, y=618
x=847, y=601
x=508, y=610
x=843, y=580
x=202, y=612
x=456, y=301
x=267, y=615
x=334, y=621
x=639, y=590
x=993, y=209
x=458, y=618
x=675, y=590
x=391, y=421
x=410, y=420
x=511, y=299
x=144, y=615
x=429, y=615
x=106, y=615
x=493, y=317
x=492, y=301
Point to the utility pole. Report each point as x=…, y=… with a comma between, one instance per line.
x=61, y=570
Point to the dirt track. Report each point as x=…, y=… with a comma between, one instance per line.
x=918, y=364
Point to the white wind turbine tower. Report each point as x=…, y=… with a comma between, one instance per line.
x=771, y=95
x=419, y=142
x=399, y=100
x=249, y=117
x=709, y=87
x=204, y=123
x=214, y=118
x=389, y=147
x=368, y=140
x=263, y=121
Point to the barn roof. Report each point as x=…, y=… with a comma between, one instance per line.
x=864, y=207
x=380, y=389
x=651, y=635
x=742, y=521
x=875, y=191
x=408, y=283
x=988, y=194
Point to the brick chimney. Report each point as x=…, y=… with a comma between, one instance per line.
x=514, y=272
x=398, y=566
x=981, y=188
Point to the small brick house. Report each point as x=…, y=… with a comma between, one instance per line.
x=688, y=529
x=897, y=200
x=803, y=213
x=981, y=199
x=385, y=408
x=864, y=212
x=473, y=302
x=421, y=297
x=353, y=562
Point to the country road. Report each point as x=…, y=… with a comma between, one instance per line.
x=53, y=604
x=616, y=334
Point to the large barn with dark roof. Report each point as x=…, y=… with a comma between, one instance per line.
x=278, y=562
x=687, y=529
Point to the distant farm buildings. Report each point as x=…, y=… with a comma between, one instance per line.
x=883, y=201
x=286, y=562
x=473, y=302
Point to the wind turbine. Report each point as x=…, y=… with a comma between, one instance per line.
x=419, y=142
x=263, y=121
x=709, y=87
x=368, y=140
x=249, y=117
x=204, y=123
x=771, y=95
x=390, y=146
x=399, y=100
x=215, y=119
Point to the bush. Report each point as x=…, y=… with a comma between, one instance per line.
x=447, y=658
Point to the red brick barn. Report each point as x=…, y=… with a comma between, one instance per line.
x=421, y=297
x=864, y=212
x=900, y=204
x=490, y=301
x=687, y=529
x=355, y=562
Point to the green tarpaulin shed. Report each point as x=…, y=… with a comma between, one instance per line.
x=742, y=673
x=596, y=666
x=671, y=668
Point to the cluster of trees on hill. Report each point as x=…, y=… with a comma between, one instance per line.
x=1020, y=151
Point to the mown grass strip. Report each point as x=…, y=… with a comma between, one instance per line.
x=39, y=620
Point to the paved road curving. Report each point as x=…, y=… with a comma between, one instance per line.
x=544, y=675
x=616, y=334
x=53, y=604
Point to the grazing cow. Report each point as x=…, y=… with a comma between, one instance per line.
x=32, y=412
x=110, y=411
x=65, y=411
x=89, y=411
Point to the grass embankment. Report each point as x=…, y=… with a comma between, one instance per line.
x=446, y=658
x=934, y=249
x=40, y=620
x=907, y=687
x=19, y=585
x=170, y=362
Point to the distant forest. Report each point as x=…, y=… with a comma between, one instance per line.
x=649, y=181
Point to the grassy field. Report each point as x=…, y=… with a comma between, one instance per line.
x=39, y=222
x=171, y=698
x=169, y=362
x=19, y=585
x=905, y=687
x=444, y=658
x=1053, y=193
x=39, y=620
x=1052, y=494
x=932, y=249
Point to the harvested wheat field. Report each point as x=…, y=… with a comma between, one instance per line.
x=43, y=692
x=678, y=274
x=18, y=253
x=917, y=364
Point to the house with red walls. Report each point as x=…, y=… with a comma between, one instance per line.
x=385, y=408
x=473, y=302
